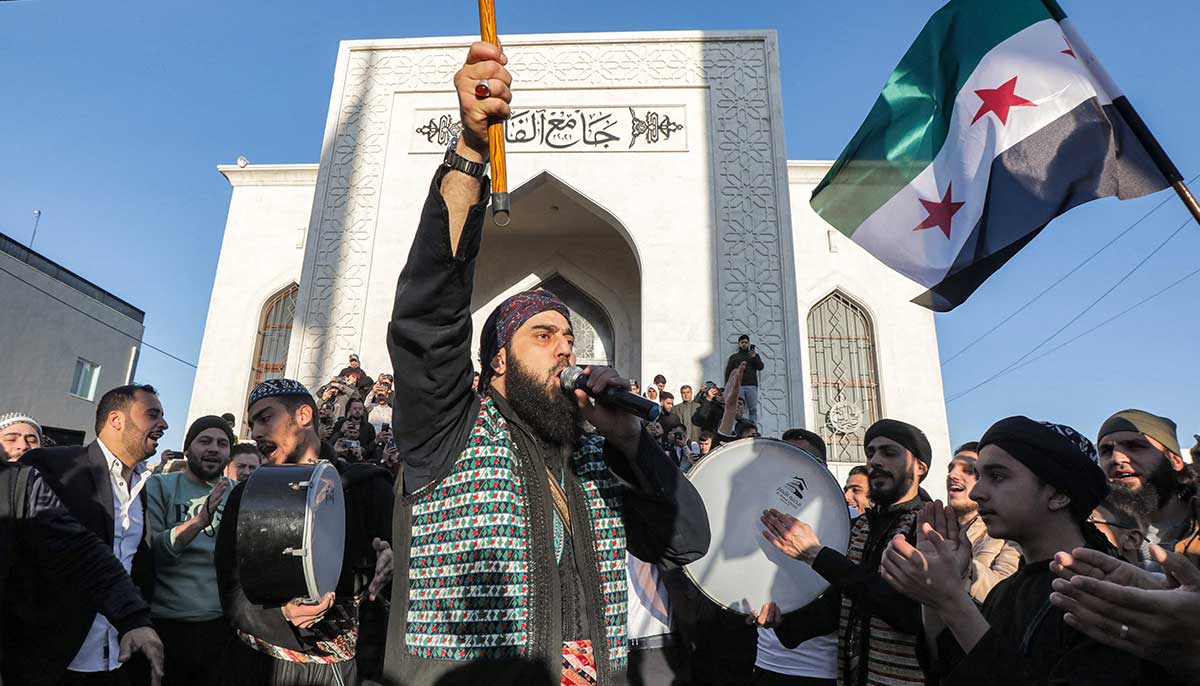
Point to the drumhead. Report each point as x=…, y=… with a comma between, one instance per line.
x=324, y=531
x=739, y=480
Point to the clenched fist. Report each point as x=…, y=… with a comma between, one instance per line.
x=485, y=62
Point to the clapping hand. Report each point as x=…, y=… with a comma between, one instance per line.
x=1155, y=617
x=791, y=536
x=930, y=572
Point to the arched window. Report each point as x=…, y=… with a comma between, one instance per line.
x=592, y=327
x=845, y=382
x=274, y=335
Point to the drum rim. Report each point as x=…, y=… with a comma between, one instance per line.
x=687, y=569
x=310, y=573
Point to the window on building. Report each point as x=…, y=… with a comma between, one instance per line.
x=274, y=336
x=83, y=383
x=845, y=382
x=590, y=323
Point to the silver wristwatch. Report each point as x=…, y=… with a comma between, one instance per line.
x=454, y=160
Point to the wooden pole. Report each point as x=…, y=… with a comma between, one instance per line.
x=500, y=204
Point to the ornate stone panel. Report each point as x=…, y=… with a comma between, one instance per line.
x=752, y=232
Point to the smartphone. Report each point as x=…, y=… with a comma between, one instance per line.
x=753, y=347
x=385, y=427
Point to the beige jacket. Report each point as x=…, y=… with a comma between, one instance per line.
x=992, y=560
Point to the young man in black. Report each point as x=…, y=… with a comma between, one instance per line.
x=1037, y=485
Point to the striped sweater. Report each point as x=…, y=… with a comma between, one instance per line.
x=890, y=654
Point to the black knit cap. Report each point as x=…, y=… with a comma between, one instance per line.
x=205, y=423
x=1056, y=453
x=903, y=433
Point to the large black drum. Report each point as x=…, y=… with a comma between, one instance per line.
x=291, y=533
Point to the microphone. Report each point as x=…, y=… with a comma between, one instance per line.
x=573, y=379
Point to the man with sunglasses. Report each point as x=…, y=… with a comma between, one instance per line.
x=184, y=511
x=1140, y=452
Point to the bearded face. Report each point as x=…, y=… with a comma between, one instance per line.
x=537, y=398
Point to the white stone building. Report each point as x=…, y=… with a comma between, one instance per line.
x=65, y=341
x=650, y=189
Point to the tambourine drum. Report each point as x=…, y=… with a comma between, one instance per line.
x=737, y=481
x=291, y=533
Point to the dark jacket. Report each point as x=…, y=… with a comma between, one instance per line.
x=430, y=344
x=754, y=365
x=56, y=617
x=39, y=539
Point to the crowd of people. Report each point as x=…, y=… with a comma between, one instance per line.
x=500, y=530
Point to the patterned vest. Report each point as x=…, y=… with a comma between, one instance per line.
x=469, y=569
x=890, y=655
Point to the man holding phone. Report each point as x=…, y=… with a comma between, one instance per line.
x=749, y=354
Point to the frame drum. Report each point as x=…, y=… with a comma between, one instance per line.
x=291, y=533
x=739, y=480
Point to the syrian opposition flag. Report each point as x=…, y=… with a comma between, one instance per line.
x=997, y=120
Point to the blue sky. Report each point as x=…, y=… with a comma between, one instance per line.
x=115, y=114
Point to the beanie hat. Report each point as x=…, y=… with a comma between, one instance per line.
x=205, y=423
x=1160, y=429
x=907, y=435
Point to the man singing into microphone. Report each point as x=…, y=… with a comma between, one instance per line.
x=511, y=523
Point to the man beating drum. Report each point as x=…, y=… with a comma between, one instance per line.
x=877, y=640
x=299, y=643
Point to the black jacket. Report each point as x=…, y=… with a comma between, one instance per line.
x=754, y=365
x=55, y=616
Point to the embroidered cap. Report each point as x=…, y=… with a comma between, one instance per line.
x=273, y=388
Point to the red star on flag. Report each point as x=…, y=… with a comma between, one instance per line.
x=1070, y=48
x=1000, y=100
x=940, y=213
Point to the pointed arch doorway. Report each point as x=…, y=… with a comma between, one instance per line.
x=564, y=242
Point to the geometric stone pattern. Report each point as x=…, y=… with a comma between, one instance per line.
x=751, y=293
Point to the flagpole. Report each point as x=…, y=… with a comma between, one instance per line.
x=1161, y=160
x=1121, y=103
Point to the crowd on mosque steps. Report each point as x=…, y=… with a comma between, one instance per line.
x=502, y=531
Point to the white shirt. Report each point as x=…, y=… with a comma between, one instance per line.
x=649, y=611
x=100, y=649
x=816, y=658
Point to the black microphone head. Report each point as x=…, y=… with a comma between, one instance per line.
x=572, y=378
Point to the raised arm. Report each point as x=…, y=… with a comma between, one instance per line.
x=429, y=337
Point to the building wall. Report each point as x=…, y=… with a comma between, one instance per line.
x=260, y=254
x=40, y=353
x=910, y=374
x=706, y=211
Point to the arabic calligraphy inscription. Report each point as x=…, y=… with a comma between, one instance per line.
x=583, y=129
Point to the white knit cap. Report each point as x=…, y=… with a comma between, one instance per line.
x=7, y=420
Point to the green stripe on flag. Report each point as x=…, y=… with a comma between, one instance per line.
x=907, y=126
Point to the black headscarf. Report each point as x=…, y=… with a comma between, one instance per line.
x=1057, y=454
